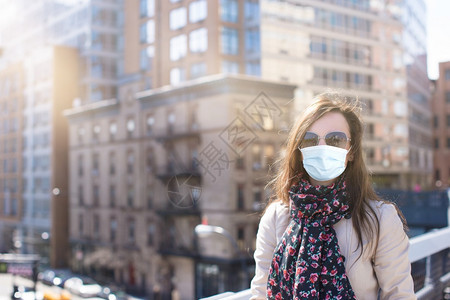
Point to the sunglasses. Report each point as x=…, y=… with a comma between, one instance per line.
x=336, y=139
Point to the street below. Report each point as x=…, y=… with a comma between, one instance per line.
x=8, y=280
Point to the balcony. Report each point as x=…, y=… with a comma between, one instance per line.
x=172, y=133
x=429, y=254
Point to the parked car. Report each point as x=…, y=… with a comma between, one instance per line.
x=55, y=277
x=82, y=286
x=25, y=293
x=112, y=293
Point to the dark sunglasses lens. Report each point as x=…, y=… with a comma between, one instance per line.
x=310, y=139
x=336, y=139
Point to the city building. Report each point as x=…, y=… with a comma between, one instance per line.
x=374, y=50
x=35, y=65
x=148, y=167
x=441, y=125
x=146, y=99
x=34, y=135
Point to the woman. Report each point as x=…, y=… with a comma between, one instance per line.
x=326, y=235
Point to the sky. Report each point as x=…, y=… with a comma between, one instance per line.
x=438, y=32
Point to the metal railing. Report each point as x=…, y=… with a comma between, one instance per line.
x=431, y=251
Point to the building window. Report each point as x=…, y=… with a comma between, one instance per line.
x=147, y=32
x=252, y=42
x=198, y=70
x=253, y=69
x=96, y=130
x=80, y=165
x=447, y=74
x=436, y=143
x=150, y=160
x=447, y=97
x=241, y=238
x=96, y=226
x=146, y=58
x=240, y=197
x=147, y=8
x=149, y=124
x=257, y=198
x=131, y=231
x=198, y=11
x=95, y=164
x=437, y=175
x=150, y=234
x=198, y=40
x=149, y=197
x=231, y=67
x=251, y=10
x=256, y=157
x=178, y=47
x=130, y=162
x=131, y=126
x=229, y=10
x=178, y=18
x=448, y=143
x=130, y=196
x=177, y=75
x=112, y=196
x=81, y=225
x=96, y=195
x=112, y=230
x=230, y=41
x=448, y=120
x=171, y=118
x=112, y=130
x=112, y=163
x=435, y=121
x=80, y=195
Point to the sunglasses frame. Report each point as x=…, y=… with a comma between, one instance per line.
x=318, y=138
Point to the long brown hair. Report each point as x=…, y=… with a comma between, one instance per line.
x=359, y=185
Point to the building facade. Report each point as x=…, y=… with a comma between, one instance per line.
x=146, y=168
x=373, y=50
x=441, y=125
x=50, y=77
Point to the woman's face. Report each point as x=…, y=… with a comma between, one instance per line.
x=330, y=122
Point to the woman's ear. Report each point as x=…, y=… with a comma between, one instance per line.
x=350, y=156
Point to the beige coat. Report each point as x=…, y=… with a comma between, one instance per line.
x=388, y=272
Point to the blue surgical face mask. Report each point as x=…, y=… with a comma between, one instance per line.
x=323, y=162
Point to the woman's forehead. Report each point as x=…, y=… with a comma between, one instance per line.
x=332, y=121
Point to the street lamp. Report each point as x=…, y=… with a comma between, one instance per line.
x=202, y=230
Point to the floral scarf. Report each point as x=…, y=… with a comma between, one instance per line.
x=307, y=263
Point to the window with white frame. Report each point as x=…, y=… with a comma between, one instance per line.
x=198, y=70
x=198, y=40
x=178, y=18
x=177, y=75
x=198, y=10
x=178, y=47
x=229, y=10
x=230, y=41
x=146, y=58
x=147, y=8
x=231, y=67
x=147, y=32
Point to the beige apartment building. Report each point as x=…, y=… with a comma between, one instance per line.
x=373, y=50
x=441, y=125
x=146, y=168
